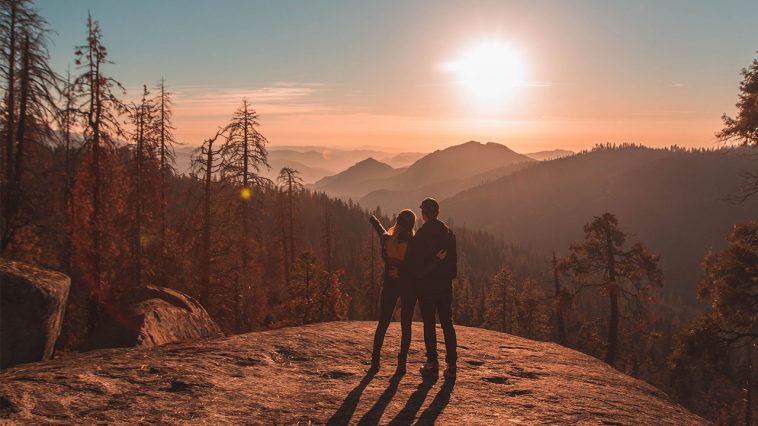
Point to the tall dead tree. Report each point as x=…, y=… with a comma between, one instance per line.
x=142, y=117
x=100, y=108
x=291, y=184
x=244, y=155
x=30, y=104
x=204, y=164
x=166, y=143
x=67, y=124
x=10, y=17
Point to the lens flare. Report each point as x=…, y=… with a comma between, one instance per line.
x=246, y=193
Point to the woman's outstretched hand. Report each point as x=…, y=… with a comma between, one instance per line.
x=442, y=254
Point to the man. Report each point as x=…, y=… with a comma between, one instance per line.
x=434, y=282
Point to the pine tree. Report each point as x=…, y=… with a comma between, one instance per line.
x=500, y=301
x=743, y=128
x=604, y=263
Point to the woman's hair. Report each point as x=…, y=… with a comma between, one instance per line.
x=404, y=224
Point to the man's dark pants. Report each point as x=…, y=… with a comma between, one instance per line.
x=437, y=298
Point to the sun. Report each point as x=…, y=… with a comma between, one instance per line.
x=489, y=72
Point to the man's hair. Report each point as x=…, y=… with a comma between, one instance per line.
x=430, y=208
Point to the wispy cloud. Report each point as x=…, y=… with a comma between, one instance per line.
x=199, y=108
x=538, y=84
x=277, y=98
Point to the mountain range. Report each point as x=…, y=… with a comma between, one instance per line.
x=315, y=163
x=675, y=201
x=441, y=173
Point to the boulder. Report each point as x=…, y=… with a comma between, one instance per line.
x=32, y=303
x=154, y=316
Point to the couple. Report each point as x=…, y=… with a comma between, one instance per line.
x=421, y=267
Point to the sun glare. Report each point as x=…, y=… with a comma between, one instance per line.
x=489, y=72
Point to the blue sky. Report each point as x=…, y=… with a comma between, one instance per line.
x=360, y=73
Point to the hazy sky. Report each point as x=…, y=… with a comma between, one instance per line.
x=371, y=73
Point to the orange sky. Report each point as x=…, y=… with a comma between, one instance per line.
x=372, y=74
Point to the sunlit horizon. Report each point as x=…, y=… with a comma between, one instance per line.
x=425, y=76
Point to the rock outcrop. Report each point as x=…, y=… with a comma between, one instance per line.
x=32, y=305
x=155, y=316
x=316, y=374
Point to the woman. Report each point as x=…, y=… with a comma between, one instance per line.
x=396, y=285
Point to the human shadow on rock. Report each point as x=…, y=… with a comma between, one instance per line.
x=440, y=401
x=414, y=403
x=343, y=414
x=374, y=414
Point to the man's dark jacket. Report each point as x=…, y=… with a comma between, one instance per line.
x=423, y=265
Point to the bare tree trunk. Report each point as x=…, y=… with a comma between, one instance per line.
x=613, y=325
x=280, y=197
x=327, y=236
x=292, y=221
x=245, y=226
x=206, y=278
x=10, y=137
x=68, y=192
x=16, y=189
x=94, y=122
x=138, y=203
x=559, y=323
x=163, y=183
x=306, y=305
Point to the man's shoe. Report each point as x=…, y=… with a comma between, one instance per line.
x=450, y=372
x=430, y=368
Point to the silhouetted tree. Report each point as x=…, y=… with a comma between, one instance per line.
x=712, y=359
x=244, y=155
x=66, y=120
x=327, y=240
x=204, y=163
x=29, y=106
x=100, y=108
x=743, y=128
x=143, y=116
x=603, y=262
x=501, y=300
x=291, y=184
x=561, y=299
x=166, y=143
